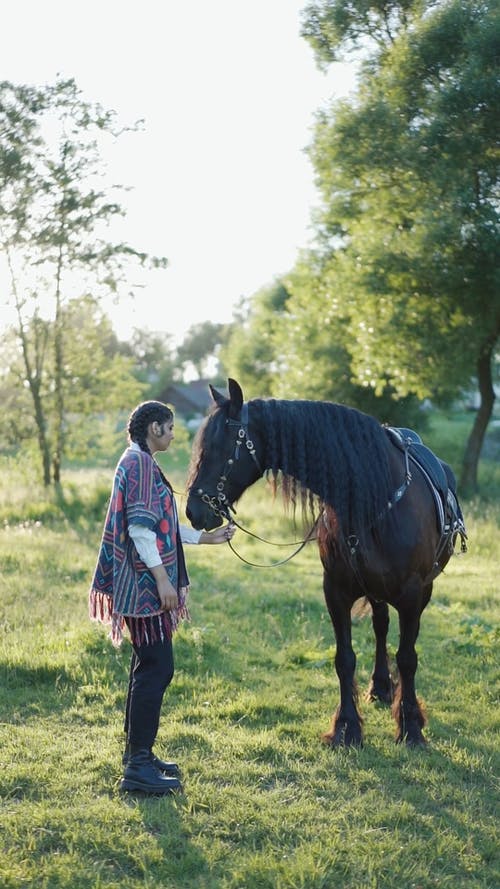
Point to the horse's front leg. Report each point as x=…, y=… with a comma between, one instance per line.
x=347, y=721
x=381, y=686
x=406, y=709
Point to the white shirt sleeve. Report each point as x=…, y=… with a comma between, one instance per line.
x=145, y=542
x=189, y=535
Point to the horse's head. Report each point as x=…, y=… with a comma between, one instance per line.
x=224, y=461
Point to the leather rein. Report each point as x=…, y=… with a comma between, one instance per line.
x=221, y=506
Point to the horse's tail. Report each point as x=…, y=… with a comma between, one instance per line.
x=361, y=608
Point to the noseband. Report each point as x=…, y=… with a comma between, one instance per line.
x=219, y=502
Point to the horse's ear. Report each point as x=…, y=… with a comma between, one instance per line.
x=217, y=397
x=236, y=397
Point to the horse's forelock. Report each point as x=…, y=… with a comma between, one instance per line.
x=210, y=429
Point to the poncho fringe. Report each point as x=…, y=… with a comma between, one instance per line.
x=143, y=630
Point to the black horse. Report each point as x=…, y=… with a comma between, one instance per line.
x=387, y=520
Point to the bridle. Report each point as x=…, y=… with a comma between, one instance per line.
x=219, y=502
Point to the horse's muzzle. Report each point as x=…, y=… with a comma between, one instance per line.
x=201, y=517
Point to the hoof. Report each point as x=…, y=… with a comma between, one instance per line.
x=414, y=742
x=343, y=736
x=382, y=695
x=382, y=689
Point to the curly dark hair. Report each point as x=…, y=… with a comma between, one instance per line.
x=145, y=413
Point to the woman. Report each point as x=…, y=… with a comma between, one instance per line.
x=141, y=581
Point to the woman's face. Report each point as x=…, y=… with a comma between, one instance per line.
x=160, y=435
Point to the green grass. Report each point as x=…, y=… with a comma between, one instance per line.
x=264, y=804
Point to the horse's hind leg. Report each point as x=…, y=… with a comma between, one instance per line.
x=381, y=686
x=346, y=724
x=406, y=709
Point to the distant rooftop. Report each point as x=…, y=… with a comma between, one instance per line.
x=188, y=399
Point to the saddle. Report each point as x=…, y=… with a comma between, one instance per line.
x=442, y=483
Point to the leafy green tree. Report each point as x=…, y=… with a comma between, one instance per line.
x=200, y=348
x=408, y=173
x=278, y=347
x=154, y=358
x=54, y=215
x=254, y=348
x=317, y=363
x=95, y=377
x=335, y=28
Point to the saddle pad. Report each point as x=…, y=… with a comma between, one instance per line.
x=443, y=485
x=438, y=472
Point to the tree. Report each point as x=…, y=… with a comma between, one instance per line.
x=253, y=351
x=317, y=363
x=408, y=173
x=54, y=214
x=278, y=347
x=200, y=347
x=94, y=377
x=154, y=359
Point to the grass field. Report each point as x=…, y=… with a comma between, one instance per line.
x=265, y=805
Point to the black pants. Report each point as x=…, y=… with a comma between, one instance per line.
x=151, y=672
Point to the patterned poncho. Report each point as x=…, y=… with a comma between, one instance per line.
x=122, y=586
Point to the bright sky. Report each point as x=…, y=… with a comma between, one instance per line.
x=221, y=182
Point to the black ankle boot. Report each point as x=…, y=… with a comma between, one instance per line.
x=140, y=774
x=169, y=768
x=164, y=765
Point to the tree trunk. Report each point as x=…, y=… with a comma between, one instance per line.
x=468, y=480
x=42, y=438
x=59, y=404
x=58, y=371
x=33, y=371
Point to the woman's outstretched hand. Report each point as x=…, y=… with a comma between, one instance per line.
x=220, y=535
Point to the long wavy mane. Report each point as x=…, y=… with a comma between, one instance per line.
x=326, y=454
x=319, y=453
